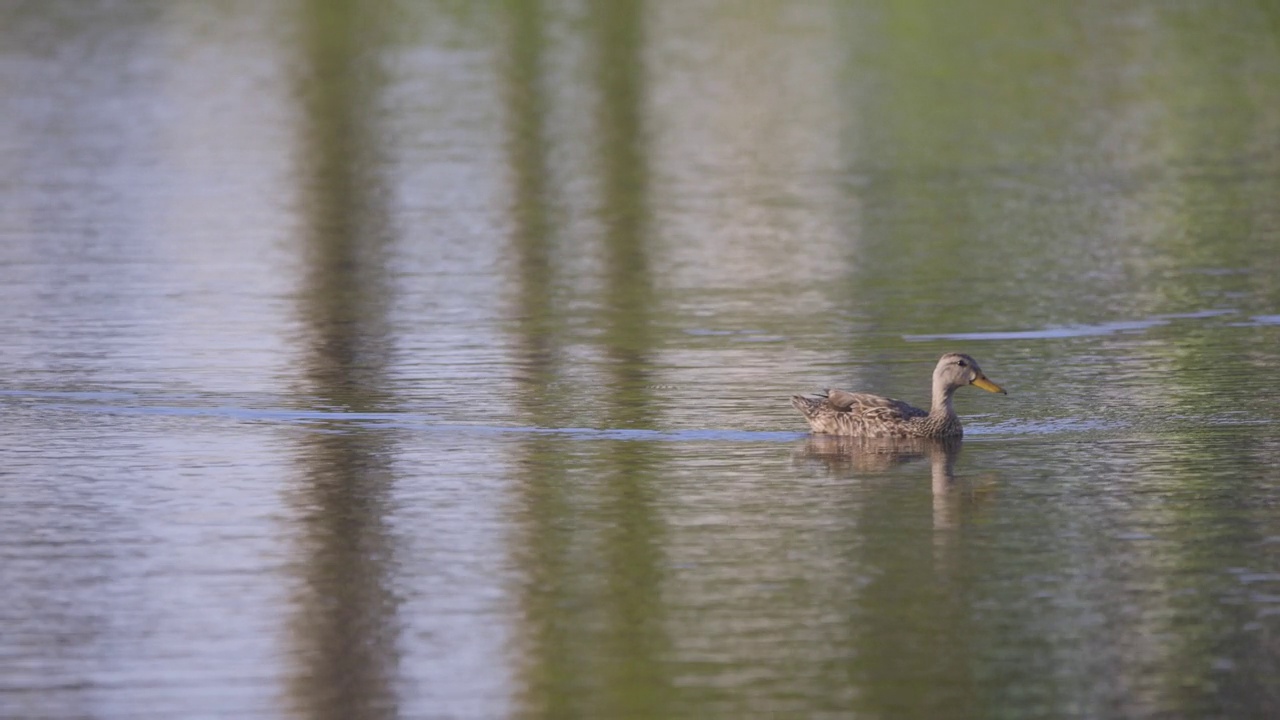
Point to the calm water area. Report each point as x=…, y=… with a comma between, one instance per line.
x=432, y=359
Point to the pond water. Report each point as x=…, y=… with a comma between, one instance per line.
x=432, y=360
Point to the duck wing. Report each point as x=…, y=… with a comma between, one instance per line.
x=871, y=406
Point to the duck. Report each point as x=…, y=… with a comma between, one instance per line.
x=839, y=412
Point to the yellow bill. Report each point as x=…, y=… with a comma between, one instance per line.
x=989, y=386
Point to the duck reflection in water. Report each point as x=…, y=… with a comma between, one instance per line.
x=844, y=456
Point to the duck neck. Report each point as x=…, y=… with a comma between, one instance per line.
x=942, y=399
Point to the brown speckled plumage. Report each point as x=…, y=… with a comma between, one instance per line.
x=873, y=416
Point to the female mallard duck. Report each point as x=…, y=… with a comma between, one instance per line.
x=873, y=416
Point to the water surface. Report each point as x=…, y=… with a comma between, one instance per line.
x=432, y=360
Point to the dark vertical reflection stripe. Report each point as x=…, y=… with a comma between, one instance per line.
x=595, y=634
x=637, y=676
x=629, y=288
x=346, y=627
x=542, y=550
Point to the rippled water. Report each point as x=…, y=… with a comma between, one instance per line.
x=432, y=360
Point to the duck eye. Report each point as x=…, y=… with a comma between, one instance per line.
x=962, y=363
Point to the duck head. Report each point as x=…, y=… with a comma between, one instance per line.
x=955, y=370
